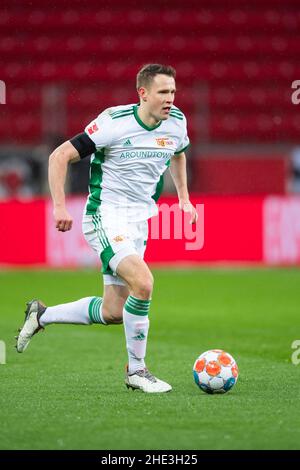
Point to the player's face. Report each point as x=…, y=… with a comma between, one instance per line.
x=160, y=96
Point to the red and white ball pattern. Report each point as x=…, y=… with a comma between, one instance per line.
x=215, y=371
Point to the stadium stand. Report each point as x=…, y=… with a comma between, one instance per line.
x=238, y=54
x=236, y=61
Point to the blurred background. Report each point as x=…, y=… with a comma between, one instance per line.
x=63, y=62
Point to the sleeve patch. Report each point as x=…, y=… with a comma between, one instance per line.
x=93, y=128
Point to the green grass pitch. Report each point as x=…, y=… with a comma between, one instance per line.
x=67, y=392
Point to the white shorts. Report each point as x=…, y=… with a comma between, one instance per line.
x=113, y=240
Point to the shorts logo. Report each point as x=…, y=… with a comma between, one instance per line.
x=119, y=238
x=93, y=128
x=163, y=141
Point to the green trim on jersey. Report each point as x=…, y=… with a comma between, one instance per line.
x=176, y=113
x=128, y=113
x=176, y=110
x=176, y=116
x=180, y=151
x=100, y=231
x=160, y=185
x=95, y=182
x=159, y=189
x=107, y=253
x=140, y=122
x=121, y=111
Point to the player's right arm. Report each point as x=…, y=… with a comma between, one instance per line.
x=57, y=171
x=97, y=134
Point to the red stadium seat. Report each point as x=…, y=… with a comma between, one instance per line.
x=235, y=65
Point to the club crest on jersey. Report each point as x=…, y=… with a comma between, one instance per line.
x=163, y=141
x=93, y=128
x=119, y=238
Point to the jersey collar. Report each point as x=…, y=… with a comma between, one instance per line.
x=140, y=122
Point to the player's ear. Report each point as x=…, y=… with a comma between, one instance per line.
x=142, y=91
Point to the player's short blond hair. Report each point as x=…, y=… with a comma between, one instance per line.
x=148, y=72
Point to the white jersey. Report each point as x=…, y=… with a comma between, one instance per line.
x=130, y=159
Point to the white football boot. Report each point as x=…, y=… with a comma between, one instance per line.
x=145, y=381
x=35, y=308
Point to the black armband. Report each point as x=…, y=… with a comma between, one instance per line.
x=83, y=144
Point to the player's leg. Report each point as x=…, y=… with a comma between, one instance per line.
x=136, y=309
x=86, y=311
x=137, y=275
x=38, y=315
x=104, y=310
x=114, y=298
x=83, y=311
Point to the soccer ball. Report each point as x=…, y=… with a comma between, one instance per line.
x=215, y=371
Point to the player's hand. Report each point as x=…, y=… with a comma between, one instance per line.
x=63, y=220
x=187, y=206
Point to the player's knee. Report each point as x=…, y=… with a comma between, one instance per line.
x=143, y=288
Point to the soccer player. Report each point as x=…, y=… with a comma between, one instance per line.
x=131, y=147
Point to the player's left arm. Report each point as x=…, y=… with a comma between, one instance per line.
x=179, y=176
